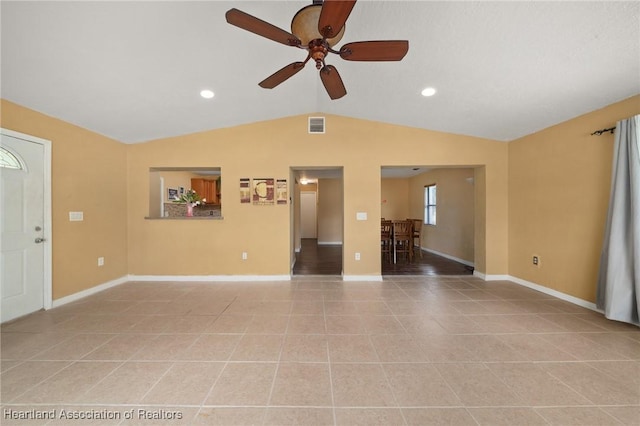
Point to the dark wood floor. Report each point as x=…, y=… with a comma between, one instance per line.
x=429, y=264
x=314, y=259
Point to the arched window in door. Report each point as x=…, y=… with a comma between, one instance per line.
x=9, y=160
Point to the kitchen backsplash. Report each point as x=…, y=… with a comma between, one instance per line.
x=180, y=210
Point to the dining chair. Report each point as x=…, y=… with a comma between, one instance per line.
x=416, y=233
x=386, y=242
x=403, y=238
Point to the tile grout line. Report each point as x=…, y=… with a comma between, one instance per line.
x=87, y=404
x=275, y=374
x=226, y=363
x=333, y=400
x=463, y=405
x=104, y=378
x=45, y=379
x=388, y=382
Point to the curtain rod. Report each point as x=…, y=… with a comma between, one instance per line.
x=601, y=131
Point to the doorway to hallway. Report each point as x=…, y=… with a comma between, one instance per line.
x=317, y=221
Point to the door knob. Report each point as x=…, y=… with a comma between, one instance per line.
x=40, y=240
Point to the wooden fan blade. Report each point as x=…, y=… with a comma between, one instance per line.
x=387, y=50
x=257, y=26
x=281, y=75
x=333, y=15
x=332, y=82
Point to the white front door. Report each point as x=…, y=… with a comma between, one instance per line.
x=22, y=225
x=308, y=215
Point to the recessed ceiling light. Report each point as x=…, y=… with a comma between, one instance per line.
x=207, y=94
x=429, y=91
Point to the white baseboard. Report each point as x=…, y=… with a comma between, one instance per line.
x=448, y=256
x=556, y=293
x=479, y=274
x=88, y=292
x=492, y=277
x=329, y=243
x=220, y=278
x=362, y=278
x=542, y=289
x=204, y=278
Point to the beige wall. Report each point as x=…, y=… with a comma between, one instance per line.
x=559, y=185
x=480, y=220
x=214, y=247
x=454, y=231
x=156, y=195
x=330, y=211
x=93, y=173
x=544, y=194
x=394, y=198
x=89, y=174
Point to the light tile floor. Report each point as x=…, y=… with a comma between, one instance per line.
x=319, y=351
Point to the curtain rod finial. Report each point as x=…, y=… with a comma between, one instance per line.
x=601, y=131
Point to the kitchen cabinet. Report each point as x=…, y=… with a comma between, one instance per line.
x=206, y=188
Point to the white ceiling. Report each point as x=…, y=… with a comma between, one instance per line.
x=133, y=70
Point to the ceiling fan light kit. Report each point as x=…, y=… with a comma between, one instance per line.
x=304, y=25
x=317, y=28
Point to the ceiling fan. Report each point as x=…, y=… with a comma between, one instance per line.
x=317, y=28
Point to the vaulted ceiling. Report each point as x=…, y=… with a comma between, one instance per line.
x=133, y=70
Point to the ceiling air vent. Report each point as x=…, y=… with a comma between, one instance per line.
x=316, y=124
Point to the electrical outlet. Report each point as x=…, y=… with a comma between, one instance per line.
x=357, y=256
x=536, y=260
x=244, y=255
x=101, y=261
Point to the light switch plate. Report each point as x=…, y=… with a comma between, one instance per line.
x=361, y=216
x=76, y=216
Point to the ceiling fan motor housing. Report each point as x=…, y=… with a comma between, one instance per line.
x=304, y=25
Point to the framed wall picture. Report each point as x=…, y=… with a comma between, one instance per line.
x=245, y=190
x=263, y=191
x=281, y=191
x=172, y=194
x=181, y=191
